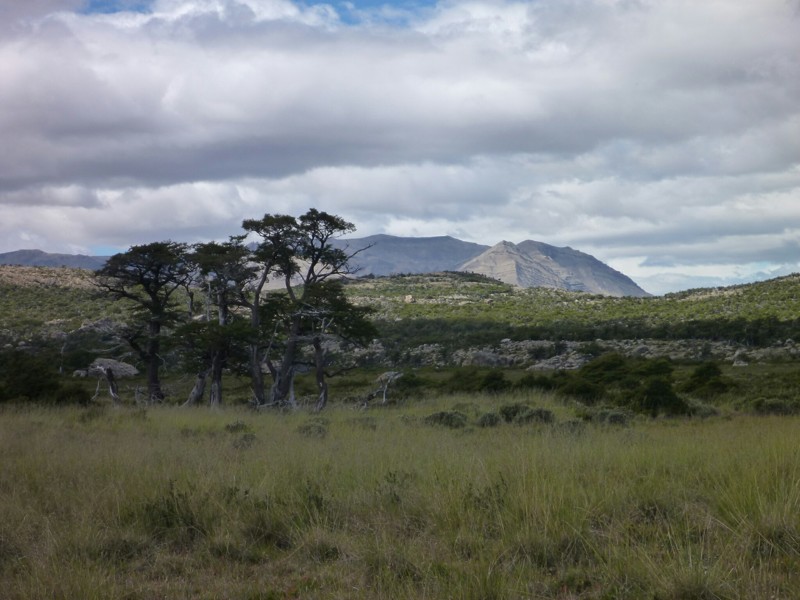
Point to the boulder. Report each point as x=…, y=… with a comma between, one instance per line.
x=120, y=369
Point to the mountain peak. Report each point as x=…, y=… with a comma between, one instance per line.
x=536, y=264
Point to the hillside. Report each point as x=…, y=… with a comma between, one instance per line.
x=448, y=313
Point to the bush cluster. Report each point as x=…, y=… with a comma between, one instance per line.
x=636, y=384
x=27, y=377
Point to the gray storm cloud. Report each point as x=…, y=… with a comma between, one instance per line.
x=653, y=133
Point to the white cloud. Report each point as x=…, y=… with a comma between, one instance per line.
x=656, y=134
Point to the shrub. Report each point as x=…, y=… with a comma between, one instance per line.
x=73, y=393
x=706, y=381
x=494, y=382
x=315, y=428
x=608, y=368
x=447, y=418
x=490, y=419
x=530, y=380
x=29, y=377
x=775, y=406
x=409, y=385
x=463, y=380
x=535, y=415
x=656, y=397
x=582, y=389
x=509, y=412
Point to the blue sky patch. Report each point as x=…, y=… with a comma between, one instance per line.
x=114, y=6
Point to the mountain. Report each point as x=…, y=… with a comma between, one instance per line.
x=535, y=264
x=527, y=264
x=391, y=255
x=37, y=258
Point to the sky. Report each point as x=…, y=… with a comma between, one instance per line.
x=661, y=136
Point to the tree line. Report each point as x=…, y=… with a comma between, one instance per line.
x=234, y=314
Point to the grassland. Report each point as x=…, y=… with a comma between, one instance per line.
x=168, y=503
x=127, y=502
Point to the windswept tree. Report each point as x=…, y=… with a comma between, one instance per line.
x=148, y=276
x=331, y=320
x=224, y=271
x=315, y=261
x=276, y=239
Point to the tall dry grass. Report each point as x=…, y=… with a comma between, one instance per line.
x=172, y=503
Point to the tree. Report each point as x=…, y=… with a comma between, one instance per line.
x=147, y=276
x=314, y=261
x=225, y=272
x=329, y=315
x=273, y=256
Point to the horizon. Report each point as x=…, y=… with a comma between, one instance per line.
x=662, y=138
x=654, y=293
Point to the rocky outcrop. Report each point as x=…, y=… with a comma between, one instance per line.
x=547, y=355
x=120, y=369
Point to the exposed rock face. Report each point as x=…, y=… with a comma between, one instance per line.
x=535, y=264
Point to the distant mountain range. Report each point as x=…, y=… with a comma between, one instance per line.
x=527, y=264
x=37, y=258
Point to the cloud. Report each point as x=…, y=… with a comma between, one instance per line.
x=665, y=133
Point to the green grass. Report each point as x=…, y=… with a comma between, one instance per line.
x=131, y=503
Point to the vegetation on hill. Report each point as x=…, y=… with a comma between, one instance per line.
x=449, y=308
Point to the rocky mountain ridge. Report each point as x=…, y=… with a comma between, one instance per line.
x=535, y=264
x=527, y=264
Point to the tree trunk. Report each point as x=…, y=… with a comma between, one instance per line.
x=283, y=385
x=319, y=367
x=198, y=389
x=153, y=358
x=112, y=385
x=215, y=396
x=257, y=376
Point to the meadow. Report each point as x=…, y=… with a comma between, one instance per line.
x=630, y=478
x=390, y=502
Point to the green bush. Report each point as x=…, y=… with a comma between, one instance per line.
x=775, y=406
x=657, y=396
x=463, y=380
x=534, y=415
x=494, y=382
x=583, y=389
x=447, y=418
x=510, y=412
x=410, y=385
x=533, y=381
x=706, y=381
x=28, y=377
x=490, y=419
x=608, y=368
x=72, y=393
